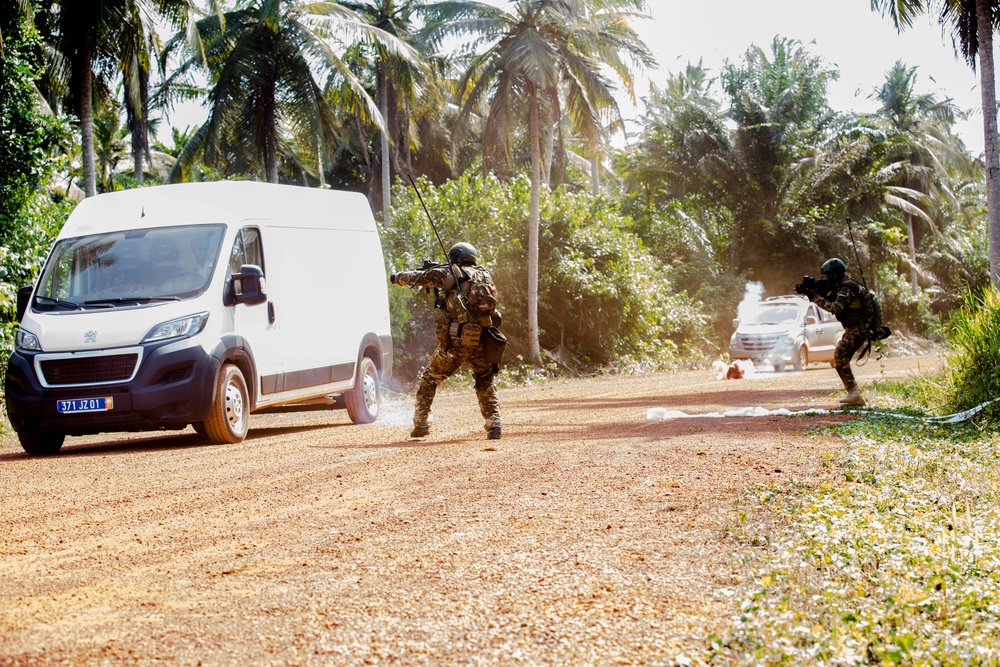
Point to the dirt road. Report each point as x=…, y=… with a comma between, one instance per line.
x=587, y=535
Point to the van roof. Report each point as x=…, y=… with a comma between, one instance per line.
x=220, y=201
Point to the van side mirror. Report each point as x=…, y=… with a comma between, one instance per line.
x=23, y=299
x=736, y=324
x=810, y=320
x=247, y=286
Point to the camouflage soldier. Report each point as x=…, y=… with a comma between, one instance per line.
x=844, y=301
x=460, y=329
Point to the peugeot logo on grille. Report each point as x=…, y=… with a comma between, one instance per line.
x=90, y=337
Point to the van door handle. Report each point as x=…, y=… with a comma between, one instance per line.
x=270, y=312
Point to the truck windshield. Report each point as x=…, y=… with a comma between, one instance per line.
x=129, y=267
x=777, y=314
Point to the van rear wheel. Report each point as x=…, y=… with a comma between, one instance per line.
x=41, y=443
x=365, y=398
x=230, y=419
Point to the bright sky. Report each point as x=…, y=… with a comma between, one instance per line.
x=845, y=33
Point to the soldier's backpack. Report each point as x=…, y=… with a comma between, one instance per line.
x=480, y=293
x=873, y=316
x=873, y=319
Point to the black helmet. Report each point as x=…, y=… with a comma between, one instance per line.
x=463, y=253
x=833, y=267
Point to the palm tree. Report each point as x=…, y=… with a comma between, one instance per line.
x=972, y=23
x=263, y=58
x=921, y=151
x=395, y=80
x=92, y=41
x=542, y=58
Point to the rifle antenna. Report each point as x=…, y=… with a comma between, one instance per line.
x=455, y=271
x=857, y=258
x=429, y=218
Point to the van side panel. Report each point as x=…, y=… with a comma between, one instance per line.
x=327, y=291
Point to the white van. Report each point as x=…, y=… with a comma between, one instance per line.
x=198, y=304
x=786, y=331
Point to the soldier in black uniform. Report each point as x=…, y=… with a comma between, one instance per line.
x=844, y=301
x=460, y=334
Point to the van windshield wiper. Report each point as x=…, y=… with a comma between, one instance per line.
x=59, y=302
x=129, y=299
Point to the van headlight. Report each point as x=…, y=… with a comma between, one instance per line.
x=25, y=340
x=180, y=328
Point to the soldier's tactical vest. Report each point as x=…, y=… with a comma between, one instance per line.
x=479, y=292
x=465, y=324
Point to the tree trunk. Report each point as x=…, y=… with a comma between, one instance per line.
x=595, y=174
x=383, y=107
x=269, y=146
x=987, y=87
x=86, y=80
x=913, y=254
x=534, y=349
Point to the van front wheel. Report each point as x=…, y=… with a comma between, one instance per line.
x=230, y=418
x=801, y=359
x=41, y=443
x=364, y=400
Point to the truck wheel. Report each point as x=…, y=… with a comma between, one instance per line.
x=801, y=359
x=41, y=443
x=364, y=400
x=230, y=419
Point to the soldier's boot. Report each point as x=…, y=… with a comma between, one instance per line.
x=420, y=431
x=853, y=399
x=494, y=433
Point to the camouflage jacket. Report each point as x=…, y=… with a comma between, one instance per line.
x=846, y=305
x=444, y=278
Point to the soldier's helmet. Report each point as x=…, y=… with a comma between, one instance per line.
x=463, y=253
x=833, y=268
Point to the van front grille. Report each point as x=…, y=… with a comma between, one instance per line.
x=759, y=343
x=89, y=370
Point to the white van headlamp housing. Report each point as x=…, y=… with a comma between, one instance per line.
x=180, y=328
x=25, y=340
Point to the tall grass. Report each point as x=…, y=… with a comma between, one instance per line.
x=974, y=359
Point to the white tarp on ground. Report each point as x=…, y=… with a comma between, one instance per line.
x=663, y=414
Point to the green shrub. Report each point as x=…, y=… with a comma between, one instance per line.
x=974, y=359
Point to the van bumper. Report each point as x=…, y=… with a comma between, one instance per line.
x=173, y=387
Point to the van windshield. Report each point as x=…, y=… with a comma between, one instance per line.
x=777, y=314
x=129, y=267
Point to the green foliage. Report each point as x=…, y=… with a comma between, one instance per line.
x=897, y=562
x=25, y=135
x=603, y=298
x=34, y=229
x=901, y=308
x=974, y=339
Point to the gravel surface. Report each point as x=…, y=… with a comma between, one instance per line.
x=586, y=536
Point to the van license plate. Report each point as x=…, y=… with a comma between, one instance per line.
x=101, y=404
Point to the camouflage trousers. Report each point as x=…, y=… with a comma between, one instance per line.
x=444, y=363
x=854, y=338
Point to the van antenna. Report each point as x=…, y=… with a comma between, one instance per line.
x=857, y=258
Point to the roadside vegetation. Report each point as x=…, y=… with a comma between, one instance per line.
x=895, y=559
